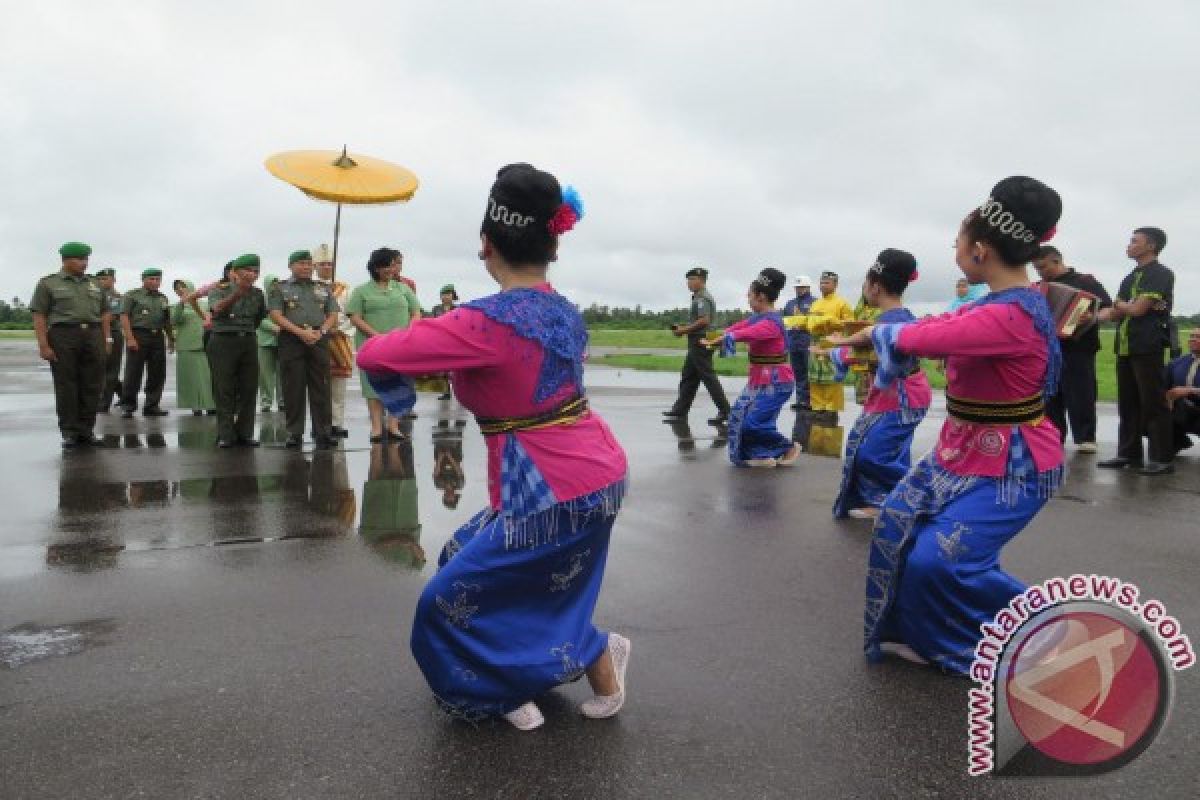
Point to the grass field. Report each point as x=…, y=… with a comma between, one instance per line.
x=16, y=334
x=1106, y=377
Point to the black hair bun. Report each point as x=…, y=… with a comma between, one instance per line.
x=1031, y=203
x=897, y=263
x=771, y=278
x=526, y=189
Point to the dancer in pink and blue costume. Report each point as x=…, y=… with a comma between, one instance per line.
x=934, y=573
x=879, y=447
x=754, y=438
x=508, y=616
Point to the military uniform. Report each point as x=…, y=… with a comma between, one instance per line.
x=148, y=312
x=112, y=365
x=304, y=368
x=233, y=357
x=74, y=309
x=698, y=366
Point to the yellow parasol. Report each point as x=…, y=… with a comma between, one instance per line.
x=343, y=178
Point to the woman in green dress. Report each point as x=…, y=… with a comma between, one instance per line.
x=193, y=381
x=380, y=305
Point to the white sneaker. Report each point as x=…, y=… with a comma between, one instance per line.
x=760, y=462
x=605, y=706
x=1088, y=447
x=526, y=718
x=902, y=650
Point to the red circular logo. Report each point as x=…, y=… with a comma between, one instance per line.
x=1085, y=688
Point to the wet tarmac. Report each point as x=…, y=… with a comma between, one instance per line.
x=181, y=621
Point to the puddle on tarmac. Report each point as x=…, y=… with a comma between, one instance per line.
x=31, y=642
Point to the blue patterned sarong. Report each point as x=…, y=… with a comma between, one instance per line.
x=933, y=573
x=499, y=624
x=752, y=429
x=878, y=456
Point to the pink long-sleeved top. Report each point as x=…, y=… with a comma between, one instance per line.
x=993, y=353
x=763, y=338
x=916, y=390
x=494, y=373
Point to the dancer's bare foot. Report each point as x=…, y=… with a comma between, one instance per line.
x=864, y=513
x=789, y=458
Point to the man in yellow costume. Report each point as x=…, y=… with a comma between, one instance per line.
x=825, y=393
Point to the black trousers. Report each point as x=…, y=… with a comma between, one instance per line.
x=112, y=372
x=799, y=362
x=1076, y=398
x=1185, y=419
x=1142, y=408
x=151, y=358
x=78, y=371
x=304, y=375
x=233, y=360
x=697, y=369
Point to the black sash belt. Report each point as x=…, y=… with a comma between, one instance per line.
x=1029, y=409
x=776, y=359
x=565, y=414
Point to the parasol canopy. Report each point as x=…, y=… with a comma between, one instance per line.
x=344, y=177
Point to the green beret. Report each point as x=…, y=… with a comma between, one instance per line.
x=299, y=255
x=106, y=273
x=247, y=260
x=74, y=250
x=152, y=272
x=447, y=289
x=696, y=272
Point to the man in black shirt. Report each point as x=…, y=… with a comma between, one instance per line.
x=1142, y=313
x=1076, y=398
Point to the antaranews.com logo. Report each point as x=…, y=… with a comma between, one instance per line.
x=1075, y=677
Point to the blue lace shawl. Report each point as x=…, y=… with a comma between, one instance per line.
x=552, y=321
x=1035, y=305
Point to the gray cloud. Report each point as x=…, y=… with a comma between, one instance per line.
x=800, y=135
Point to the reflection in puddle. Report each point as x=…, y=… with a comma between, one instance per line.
x=390, y=521
x=30, y=642
x=818, y=433
x=688, y=441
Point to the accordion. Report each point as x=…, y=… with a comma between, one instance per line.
x=1074, y=310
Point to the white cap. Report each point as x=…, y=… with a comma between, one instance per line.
x=802, y=280
x=322, y=253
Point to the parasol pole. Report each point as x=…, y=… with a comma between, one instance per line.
x=345, y=162
x=337, y=229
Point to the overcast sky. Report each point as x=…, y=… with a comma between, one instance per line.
x=800, y=135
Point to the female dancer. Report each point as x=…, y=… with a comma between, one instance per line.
x=754, y=441
x=878, y=448
x=509, y=614
x=934, y=574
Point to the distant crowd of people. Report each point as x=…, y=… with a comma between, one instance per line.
x=239, y=349
x=1158, y=386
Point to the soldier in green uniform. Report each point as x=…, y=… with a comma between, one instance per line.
x=71, y=322
x=237, y=307
x=698, y=366
x=305, y=312
x=106, y=279
x=146, y=324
